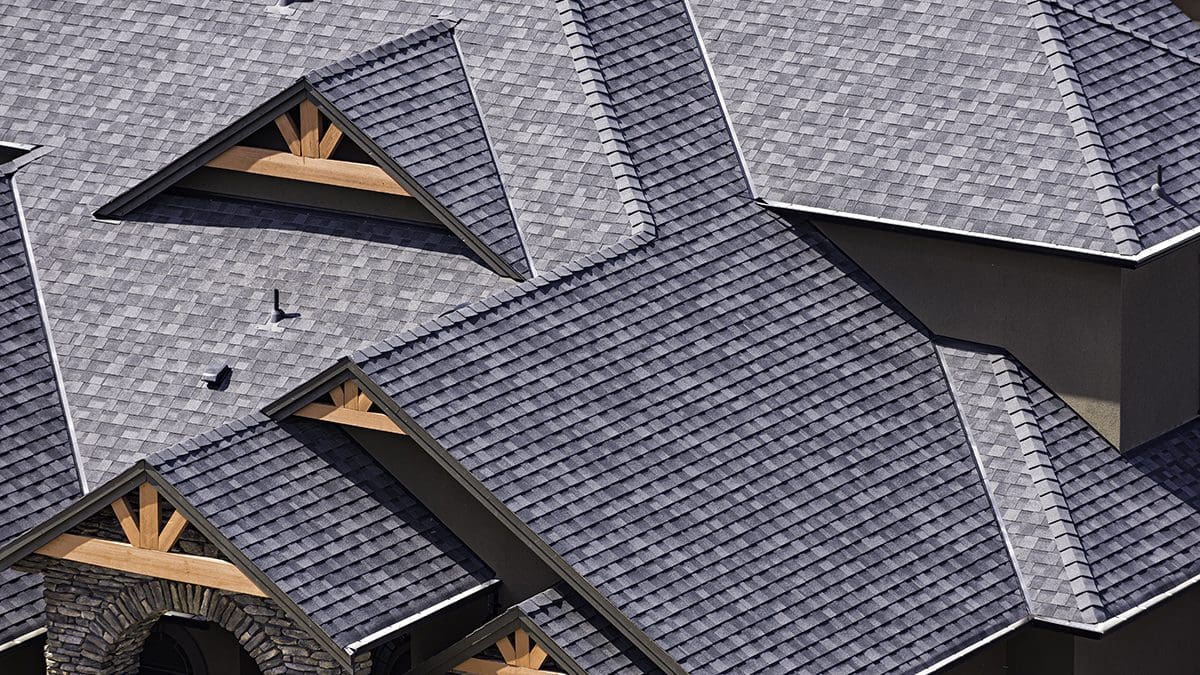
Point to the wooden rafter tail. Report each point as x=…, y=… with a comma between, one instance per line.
x=128, y=525
x=287, y=128
x=148, y=517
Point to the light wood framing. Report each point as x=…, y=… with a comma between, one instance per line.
x=310, y=129
x=330, y=141
x=266, y=162
x=287, y=129
x=188, y=569
x=148, y=550
x=350, y=406
x=521, y=657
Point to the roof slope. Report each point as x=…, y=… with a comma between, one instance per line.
x=579, y=630
x=1121, y=528
x=186, y=282
x=755, y=456
x=968, y=116
x=37, y=465
x=315, y=512
x=411, y=96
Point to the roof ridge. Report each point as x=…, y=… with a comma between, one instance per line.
x=1045, y=479
x=382, y=49
x=1113, y=203
x=612, y=136
x=1122, y=28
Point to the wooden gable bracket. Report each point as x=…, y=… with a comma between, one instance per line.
x=309, y=156
x=521, y=657
x=347, y=404
x=148, y=551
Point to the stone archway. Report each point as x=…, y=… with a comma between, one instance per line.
x=97, y=621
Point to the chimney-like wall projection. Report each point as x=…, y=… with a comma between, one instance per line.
x=1120, y=345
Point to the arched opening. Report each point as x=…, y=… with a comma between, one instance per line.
x=179, y=645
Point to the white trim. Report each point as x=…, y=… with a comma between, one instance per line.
x=54, y=364
x=379, y=635
x=1144, y=255
x=974, y=646
x=23, y=639
x=712, y=76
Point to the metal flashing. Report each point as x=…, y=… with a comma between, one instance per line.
x=384, y=633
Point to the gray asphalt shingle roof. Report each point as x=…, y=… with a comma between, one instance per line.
x=37, y=466
x=1120, y=528
x=579, y=630
x=755, y=455
x=1033, y=121
x=412, y=98
x=325, y=522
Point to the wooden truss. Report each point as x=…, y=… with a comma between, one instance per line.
x=148, y=550
x=347, y=404
x=521, y=657
x=308, y=158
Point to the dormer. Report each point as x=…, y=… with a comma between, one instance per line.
x=395, y=131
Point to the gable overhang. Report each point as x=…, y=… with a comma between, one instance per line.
x=488, y=634
x=200, y=156
x=346, y=368
x=1147, y=254
x=140, y=473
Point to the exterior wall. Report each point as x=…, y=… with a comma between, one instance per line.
x=1160, y=356
x=97, y=621
x=521, y=572
x=1060, y=316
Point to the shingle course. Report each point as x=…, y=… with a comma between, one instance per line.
x=580, y=631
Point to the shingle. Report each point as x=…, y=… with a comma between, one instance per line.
x=580, y=631
x=411, y=97
x=330, y=526
x=37, y=466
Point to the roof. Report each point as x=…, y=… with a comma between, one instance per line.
x=37, y=464
x=583, y=634
x=412, y=97
x=1037, y=122
x=324, y=521
x=140, y=307
x=1095, y=532
x=713, y=404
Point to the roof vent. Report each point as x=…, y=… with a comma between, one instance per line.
x=1156, y=190
x=277, y=314
x=216, y=376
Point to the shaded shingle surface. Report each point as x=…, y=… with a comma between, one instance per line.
x=324, y=521
x=579, y=630
x=755, y=457
x=186, y=282
x=412, y=98
x=950, y=113
x=37, y=467
x=1134, y=518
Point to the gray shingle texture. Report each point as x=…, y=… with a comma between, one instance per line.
x=325, y=522
x=755, y=456
x=412, y=98
x=1134, y=518
x=949, y=113
x=37, y=466
x=580, y=631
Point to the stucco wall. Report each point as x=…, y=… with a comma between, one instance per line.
x=1060, y=316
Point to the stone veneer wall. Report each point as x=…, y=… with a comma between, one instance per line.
x=97, y=621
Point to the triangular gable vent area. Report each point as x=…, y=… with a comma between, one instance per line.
x=302, y=157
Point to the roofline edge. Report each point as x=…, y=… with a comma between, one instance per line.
x=382, y=634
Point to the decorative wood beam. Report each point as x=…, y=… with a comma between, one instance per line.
x=287, y=128
x=148, y=518
x=521, y=647
x=188, y=569
x=171, y=531
x=329, y=143
x=537, y=656
x=266, y=162
x=310, y=129
x=482, y=667
x=351, y=418
x=128, y=524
